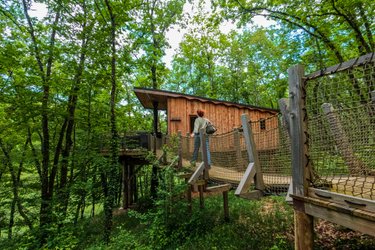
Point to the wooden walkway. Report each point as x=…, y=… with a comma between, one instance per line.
x=363, y=187
x=234, y=176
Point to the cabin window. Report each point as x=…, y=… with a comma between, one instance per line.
x=192, y=120
x=262, y=123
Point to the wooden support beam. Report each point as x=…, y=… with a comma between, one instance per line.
x=298, y=131
x=284, y=109
x=124, y=186
x=226, y=206
x=155, y=124
x=131, y=183
x=189, y=200
x=201, y=196
x=344, y=200
x=301, y=171
x=351, y=217
x=219, y=189
x=356, y=166
x=198, y=172
x=165, y=152
x=188, y=143
x=179, y=134
x=246, y=180
x=237, y=145
x=303, y=228
x=252, y=152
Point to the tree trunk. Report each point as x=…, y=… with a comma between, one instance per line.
x=109, y=180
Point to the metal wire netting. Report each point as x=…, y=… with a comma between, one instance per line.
x=341, y=130
x=230, y=159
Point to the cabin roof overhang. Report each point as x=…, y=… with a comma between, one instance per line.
x=148, y=97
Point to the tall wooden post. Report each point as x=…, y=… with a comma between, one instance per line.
x=188, y=143
x=125, y=198
x=179, y=134
x=226, y=206
x=251, y=151
x=356, y=166
x=154, y=173
x=165, y=153
x=188, y=195
x=303, y=226
x=203, y=138
x=284, y=109
x=131, y=183
x=124, y=188
x=155, y=124
x=237, y=146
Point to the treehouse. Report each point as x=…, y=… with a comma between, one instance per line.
x=227, y=145
x=182, y=110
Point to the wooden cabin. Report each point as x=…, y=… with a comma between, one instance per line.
x=182, y=110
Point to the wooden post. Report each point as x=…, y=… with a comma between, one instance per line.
x=251, y=151
x=124, y=187
x=285, y=112
x=304, y=228
x=179, y=165
x=188, y=139
x=163, y=142
x=155, y=124
x=284, y=109
x=188, y=196
x=356, y=166
x=201, y=196
x=135, y=188
x=129, y=182
x=226, y=207
x=203, y=137
x=237, y=146
x=301, y=173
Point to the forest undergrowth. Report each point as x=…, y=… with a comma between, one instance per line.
x=263, y=224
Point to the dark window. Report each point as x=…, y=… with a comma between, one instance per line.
x=262, y=123
x=192, y=120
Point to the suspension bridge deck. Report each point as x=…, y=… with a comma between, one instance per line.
x=363, y=187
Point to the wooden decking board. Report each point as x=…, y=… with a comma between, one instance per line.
x=355, y=186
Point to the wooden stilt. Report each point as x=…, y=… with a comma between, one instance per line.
x=226, y=207
x=303, y=231
x=201, y=196
x=124, y=189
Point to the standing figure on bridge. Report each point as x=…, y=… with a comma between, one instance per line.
x=199, y=123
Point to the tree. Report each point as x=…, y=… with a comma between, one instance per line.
x=349, y=23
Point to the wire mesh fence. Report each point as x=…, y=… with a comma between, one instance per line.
x=340, y=109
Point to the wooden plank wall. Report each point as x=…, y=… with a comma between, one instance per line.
x=224, y=117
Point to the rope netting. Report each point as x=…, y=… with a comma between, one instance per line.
x=273, y=148
x=229, y=156
x=341, y=129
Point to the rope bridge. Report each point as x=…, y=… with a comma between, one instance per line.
x=340, y=106
x=229, y=156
